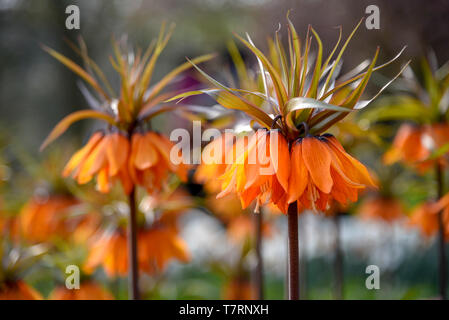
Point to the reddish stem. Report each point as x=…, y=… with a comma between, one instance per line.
x=293, y=252
x=259, y=257
x=133, y=277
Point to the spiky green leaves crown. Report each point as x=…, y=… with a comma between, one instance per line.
x=297, y=90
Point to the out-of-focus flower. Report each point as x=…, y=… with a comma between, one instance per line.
x=239, y=289
x=243, y=227
x=422, y=103
x=388, y=209
x=85, y=227
x=15, y=261
x=44, y=219
x=150, y=163
x=18, y=290
x=88, y=290
x=425, y=217
x=104, y=156
x=407, y=146
x=109, y=250
x=413, y=145
x=166, y=207
x=126, y=112
x=157, y=247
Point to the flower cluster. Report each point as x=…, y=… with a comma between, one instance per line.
x=110, y=157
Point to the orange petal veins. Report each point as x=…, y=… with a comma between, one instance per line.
x=317, y=160
x=299, y=175
x=353, y=169
x=280, y=158
x=117, y=152
x=146, y=155
x=82, y=154
x=94, y=162
x=251, y=162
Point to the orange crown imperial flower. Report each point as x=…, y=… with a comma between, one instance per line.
x=44, y=220
x=386, y=208
x=315, y=171
x=425, y=217
x=424, y=142
x=18, y=290
x=112, y=156
x=157, y=247
x=261, y=171
x=300, y=101
x=88, y=290
x=149, y=162
x=420, y=146
x=104, y=156
x=322, y=171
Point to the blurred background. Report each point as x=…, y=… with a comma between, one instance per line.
x=36, y=91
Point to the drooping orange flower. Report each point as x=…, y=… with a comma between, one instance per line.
x=157, y=247
x=110, y=251
x=150, y=163
x=167, y=206
x=218, y=154
x=322, y=171
x=43, y=219
x=436, y=137
x=85, y=227
x=242, y=227
x=425, y=217
x=315, y=172
x=407, y=146
x=384, y=208
x=298, y=98
x=18, y=290
x=414, y=144
x=239, y=289
x=104, y=156
x=261, y=171
x=88, y=291
x=443, y=205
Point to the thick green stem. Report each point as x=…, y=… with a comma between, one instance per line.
x=293, y=252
